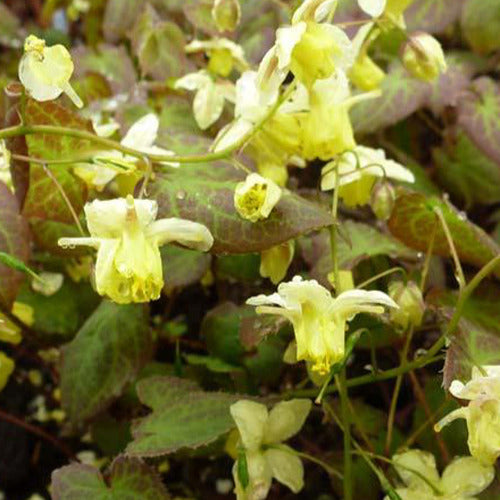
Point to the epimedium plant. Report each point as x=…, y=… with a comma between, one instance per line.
x=229, y=262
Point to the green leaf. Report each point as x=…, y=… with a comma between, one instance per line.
x=212, y=364
x=413, y=220
x=204, y=193
x=479, y=116
x=159, y=46
x=480, y=24
x=14, y=241
x=467, y=173
x=182, y=416
x=356, y=242
x=44, y=199
x=242, y=268
x=46, y=234
x=401, y=96
x=432, y=16
x=128, y=478
x=106, y=354
x=183, y=267
x=199, y=14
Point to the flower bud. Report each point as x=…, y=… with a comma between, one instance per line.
x=382, y=200
x=423, y=57
x=411, y=304
x=226, y=14
x=366, y=74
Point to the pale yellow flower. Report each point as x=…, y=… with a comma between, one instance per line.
x=319, y=320
x=358, y=171
x=261, y=434
x=45, y=71
x=411, y=304
x=423, y=57
x=6, y=369
x=462, y=479
x=127, y=239
x=275, y=261
x=255, y=198
x=48, y=284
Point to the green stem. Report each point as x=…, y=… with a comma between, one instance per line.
x=382, y=275
x=333, y=234
x=346, y=421
x=330, y=470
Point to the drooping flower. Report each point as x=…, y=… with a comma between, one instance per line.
x=313, y=50
x=210, y=96
x=127, y=239
x=319, y=320
x=108, y=164
x=261, y=434
x=462, y=479
x=255, y=198
x=275, y=261
x=357, y=171
x=411, y=304
x=482, y=413
x=45, y=71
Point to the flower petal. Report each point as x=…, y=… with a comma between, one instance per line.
x=374, y=8
x=286, y=419
x=208, y=105
x=187, y=233
x=356, y=301
x=142, y=133
x=421, y=462
x=287, y=38
x=250, y=418
x=193, y=81
x=286, y=468
x=466, y=477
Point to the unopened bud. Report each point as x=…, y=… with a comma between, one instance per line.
x=423, y=57
x=226, y=14
x=411, y=304
x=382, y=200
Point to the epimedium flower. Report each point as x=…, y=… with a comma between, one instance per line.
x=311, y=49
x=210, y=96
x=261, y=434
x=45, y=71
x=275, y=261
x=108, y=164
x=423, y=57
x=319, y=320
x=255, y=198
x=462, y=479
x=127, y=238
x=482, y=413
x=357, y=172
x=393, y=9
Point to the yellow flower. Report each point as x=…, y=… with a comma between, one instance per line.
x=261, y=435
x=319, y=320
x=255, y=198
x=310, y=49
x=393, y=9
x=411, y=304
x=127, y=239
x=482, y=414
x=423, y=57
x=5, y=156
x=357, y=171
x=275, y=261
x=45, y=71
x=462, y=479
x=6, y=369
x=226, y=14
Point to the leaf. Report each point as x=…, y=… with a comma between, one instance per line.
x=183, y=267
x=356, y=242
x=433, y=16
x=14, y=240
x=480, y=25
x=119, y=17
x=242, y=268
x=159, y=46
x=401, y=96
x=182, y=416
x=44, y=199
x=204, y=193
x=212, y=364
x=10, y=28
x=46, y=234
x=479, y=116
x=105, y=355
x=467, y=173
x=128, y=478
x=199, y=14
x=477, y=339
x=413, y=220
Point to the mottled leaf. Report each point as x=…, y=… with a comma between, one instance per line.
x=127, y=479
x=107, y=352
x=401, y=96
x=204, y=193
x=467, y=173
x=433, y=16
x=183, y=267
x=182, y=417
x=46, y=234
x=413, y=221
x=14, y=240
x=481, y=24
x=479, y=116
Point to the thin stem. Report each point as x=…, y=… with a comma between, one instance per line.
x=430, y=420
x=333, y=233
x=458, y=266
x=397, y=388
x=42, y=161
x=382, y=275
x=346, y=420
x=65, y=198
x=427, y=262
x=330, y=470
